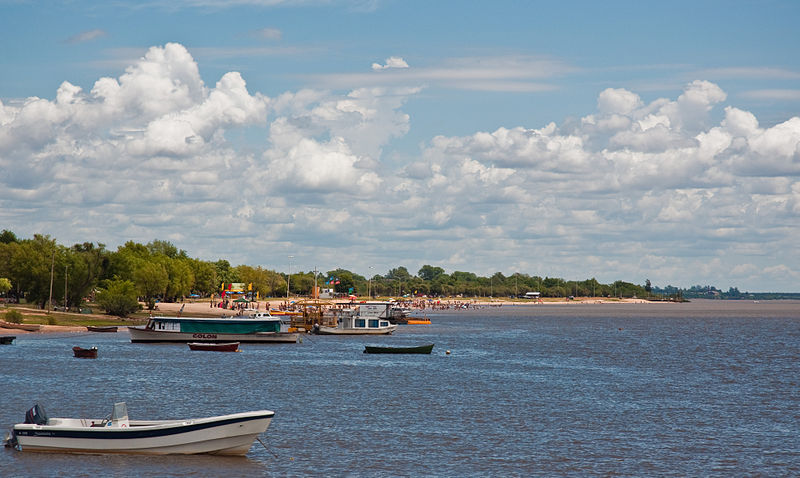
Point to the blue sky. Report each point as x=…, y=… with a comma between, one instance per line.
x=616, y=140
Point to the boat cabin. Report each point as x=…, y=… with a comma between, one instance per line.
x=364, y=316
x=354, y=321
x=234, y=325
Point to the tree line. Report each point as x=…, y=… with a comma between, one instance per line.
x=39, y=268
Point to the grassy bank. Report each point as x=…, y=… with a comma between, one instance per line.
x=43, y=317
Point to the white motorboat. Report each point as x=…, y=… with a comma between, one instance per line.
x=363, y=319
x=221, y=435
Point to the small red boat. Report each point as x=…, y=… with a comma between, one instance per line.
x=223, y=347
x=85, y=353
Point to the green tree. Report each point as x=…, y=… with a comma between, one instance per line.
x=7, y=237
x=126, y=259
x=151, y=280
x=165, y=248
x=344, y=279
x=258, y=276
x=181, y=278
x=118, y=298
x=430, y=273
x=5, y=285
x=225, y=273
x=302, y=283
x=205, y=277
x=86, y=264
x=30, y=267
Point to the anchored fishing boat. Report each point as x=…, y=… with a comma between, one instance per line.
x=420, y=349
x=259, y=327
x=220, y=435
x=85, y=353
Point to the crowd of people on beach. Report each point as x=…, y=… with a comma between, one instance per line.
x=416, y=304
x=433, y=304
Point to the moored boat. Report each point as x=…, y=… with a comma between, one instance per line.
x=84, y=353
x=362, y=319
x=101, y=328
x=7, y=339
x=254, y=328
x=221, y=347
x=424, y=321
x=232, y=434
x=420, y=349
x=28, y=327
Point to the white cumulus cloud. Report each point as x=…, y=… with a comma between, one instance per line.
x=391, y=62
x=645, y=189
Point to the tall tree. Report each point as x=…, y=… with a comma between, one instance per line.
x=31, y=266
x=430, y=273
x=151, y=280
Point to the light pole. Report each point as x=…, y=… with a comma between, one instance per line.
x=289, y=277
x=369, y=286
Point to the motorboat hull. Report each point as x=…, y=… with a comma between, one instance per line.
x=222, y=435
x=324, y=330
x=144, y=335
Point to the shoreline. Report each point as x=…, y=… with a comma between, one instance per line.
x=203, y=308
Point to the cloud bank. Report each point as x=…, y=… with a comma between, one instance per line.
x=637, y=189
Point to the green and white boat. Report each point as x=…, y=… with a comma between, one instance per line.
x=258, y=327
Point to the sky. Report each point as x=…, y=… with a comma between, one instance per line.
x=620, y=140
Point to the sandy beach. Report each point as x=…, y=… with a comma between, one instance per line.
x=203, y=308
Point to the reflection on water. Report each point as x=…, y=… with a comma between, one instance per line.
x=707, y=388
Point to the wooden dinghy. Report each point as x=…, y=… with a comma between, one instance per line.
x=101, y=328
x=223, y=347
x=28, y=327
x=85, y=353
x=420, y=349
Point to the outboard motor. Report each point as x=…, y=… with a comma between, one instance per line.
x=10, y=440
x=36, y=415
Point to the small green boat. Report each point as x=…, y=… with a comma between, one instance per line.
x=421, y=349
